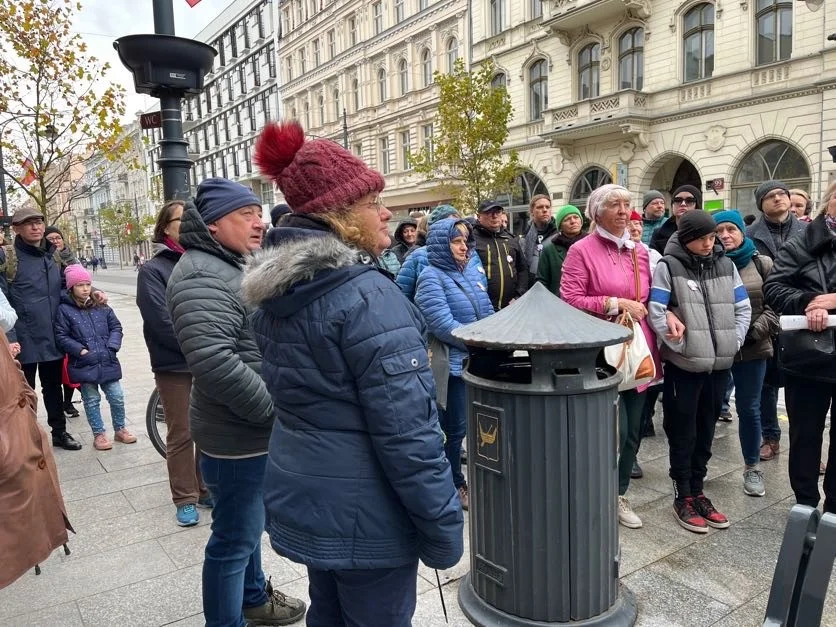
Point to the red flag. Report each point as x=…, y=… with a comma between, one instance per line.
x=192, y=3
x=29, y=174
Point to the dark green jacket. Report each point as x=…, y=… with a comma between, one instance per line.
x=550, y=267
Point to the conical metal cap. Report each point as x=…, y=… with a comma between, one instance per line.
x=540, y=320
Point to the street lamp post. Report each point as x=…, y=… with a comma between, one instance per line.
x=4, y=203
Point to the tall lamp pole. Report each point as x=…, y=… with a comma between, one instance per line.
x=4, y=203
x=345, y=130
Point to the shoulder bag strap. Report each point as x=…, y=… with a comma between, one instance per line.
x=636, y=276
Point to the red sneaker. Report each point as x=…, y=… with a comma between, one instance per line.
x=705, y=509
x=686, y=515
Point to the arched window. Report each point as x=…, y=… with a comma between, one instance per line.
x=698, y=39
x=321, y=103
x=499, y=80
x=538, y=90
x=774, y=20
x=631, y=59
x=337, y=111
x=381, y=85
x=355, y=94
x=426, y=67
x=452, y=54
x=403, y=77
x=307, y=115
x=590, y=179
x=771, y=160
x=589, y=72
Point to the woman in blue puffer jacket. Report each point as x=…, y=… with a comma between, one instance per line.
x=415, y=262
x=452, y=292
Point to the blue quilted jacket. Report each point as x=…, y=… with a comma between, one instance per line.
x=98, y=330
x=448, y=296
x=411, y=269
x=356, y=476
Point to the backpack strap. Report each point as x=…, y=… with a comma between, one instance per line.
x=756, y=258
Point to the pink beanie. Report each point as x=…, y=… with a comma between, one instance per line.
x=76, y=274
x=316, y=176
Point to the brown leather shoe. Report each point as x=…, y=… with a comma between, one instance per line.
x=769, y=449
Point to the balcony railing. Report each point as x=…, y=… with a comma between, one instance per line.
x=586, y=113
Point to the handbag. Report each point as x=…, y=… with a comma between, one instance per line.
x=805, y=349
x=440, y=367
x=632, y=358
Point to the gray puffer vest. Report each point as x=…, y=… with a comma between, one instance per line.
x=702, y=297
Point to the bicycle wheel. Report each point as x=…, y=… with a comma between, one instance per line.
x=155, y=422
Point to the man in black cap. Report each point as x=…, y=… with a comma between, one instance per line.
x=502, y=257
x=685, y=198
x=770, y=232
x=31, y=277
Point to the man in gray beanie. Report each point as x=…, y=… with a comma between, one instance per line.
x=231, y=412
x=770, y=232
x=653, y=214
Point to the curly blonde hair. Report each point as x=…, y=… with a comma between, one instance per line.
x=347, y=225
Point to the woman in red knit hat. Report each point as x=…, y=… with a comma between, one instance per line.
x=357, y=487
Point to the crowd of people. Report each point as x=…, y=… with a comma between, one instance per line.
x=312, y=383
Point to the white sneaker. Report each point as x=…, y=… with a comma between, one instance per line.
x=626, y=516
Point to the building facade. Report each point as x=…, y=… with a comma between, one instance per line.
x=360, y=72
x=654, y=94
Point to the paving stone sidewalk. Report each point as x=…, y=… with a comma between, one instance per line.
x=132, y=565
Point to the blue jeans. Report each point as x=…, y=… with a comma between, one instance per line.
x=727, y=397
x=748, y=380
x=232, y=574
x=770, y=429
x=93, y=400
x=381, y=597
x=454, y=425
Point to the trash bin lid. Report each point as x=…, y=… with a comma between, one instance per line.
x=540, y=320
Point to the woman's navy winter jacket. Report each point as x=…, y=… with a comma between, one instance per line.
x=356, y=476
x=98, y=330
x=448, y=296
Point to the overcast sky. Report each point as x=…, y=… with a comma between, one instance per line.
x=102, y=21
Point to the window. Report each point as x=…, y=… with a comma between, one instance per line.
x=536, y=9
x=381, y=85
x=538, y=89
x=302, y=61
x=352, y=31
x=399, y=12
x=403, y=77
x=631, y=59
x=385, y=156
x=316, y=59
x=307, y=115
x=423, y=4
x=300, y=16
x=499, y=80
x=358, y=149
x=497, y=16
x=289, y=70
x=321, y=109
x=332, y=44
x=591, y=179
x=452, y=54
x=426, y=68
x=355, y=95
x=405, y=150
x=427, y=139
x=377, y=16
x=267, y=197
x=774, y=19
x=772, y=160
x=589, y=76
x=699, y=42
x=337, y=111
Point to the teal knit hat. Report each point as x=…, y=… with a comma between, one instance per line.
x=564, y=211
x=441, y=212
x=730, y=215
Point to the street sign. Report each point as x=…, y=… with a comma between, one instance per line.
x=151, y=120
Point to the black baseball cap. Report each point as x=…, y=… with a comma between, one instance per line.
x=489, y=205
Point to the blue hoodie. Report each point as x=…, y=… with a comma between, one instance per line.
x=449, y=296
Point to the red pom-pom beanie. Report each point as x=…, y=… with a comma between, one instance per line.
x=315, y=176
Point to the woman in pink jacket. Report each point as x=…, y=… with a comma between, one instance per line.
x=599, y=277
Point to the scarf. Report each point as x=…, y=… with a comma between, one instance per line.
x=831, y=223
x=742, y=255
x=170, y=243
x=621, y=242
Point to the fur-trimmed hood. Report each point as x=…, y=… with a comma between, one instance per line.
x=293, y=274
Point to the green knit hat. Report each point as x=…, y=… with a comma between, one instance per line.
x=564, y=211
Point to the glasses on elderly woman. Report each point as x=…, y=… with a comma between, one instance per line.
x=684, y=200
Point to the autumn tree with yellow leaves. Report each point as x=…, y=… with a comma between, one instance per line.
x=57, y=107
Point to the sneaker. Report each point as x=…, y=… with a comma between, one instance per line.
x=626, y=516
x=70, y=411
x=725, y=416
x=753, y=482
x=769, y=449
x=124, y=436
x=280, y=609
x=464, y=497
x=687, y=516
x=187, y=515
x=706, y=509
x=636, y=472
x=101, y=443
x=206, y=502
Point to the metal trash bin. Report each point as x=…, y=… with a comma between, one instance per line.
x=542, y=442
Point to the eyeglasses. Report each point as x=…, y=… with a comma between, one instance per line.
x=775, y=194
x=377, y=204
x=685, y=200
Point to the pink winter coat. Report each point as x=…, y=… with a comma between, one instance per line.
x=595, y=269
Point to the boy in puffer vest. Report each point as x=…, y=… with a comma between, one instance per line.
x=701, y=311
